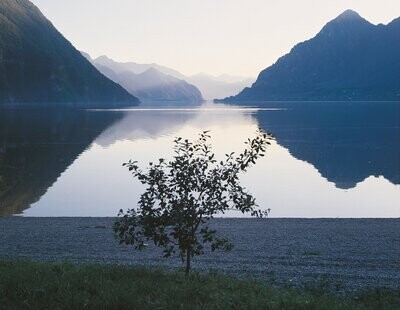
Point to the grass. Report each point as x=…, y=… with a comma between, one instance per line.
x=33, y=285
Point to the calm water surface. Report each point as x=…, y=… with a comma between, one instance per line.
x=328, y=160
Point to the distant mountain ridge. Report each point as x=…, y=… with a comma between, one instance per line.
x=211, y=87
x=134, y=67
x=349, y=59
x=149, y=82
x=38, y=65
x=219, y=86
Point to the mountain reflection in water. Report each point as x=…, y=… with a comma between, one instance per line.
x=37, y=146
x=68, y=163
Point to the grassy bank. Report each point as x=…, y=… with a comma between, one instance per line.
x=31, y=285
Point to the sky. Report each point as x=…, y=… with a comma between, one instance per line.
x=237, y=37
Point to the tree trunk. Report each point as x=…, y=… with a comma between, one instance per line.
x=187, y=262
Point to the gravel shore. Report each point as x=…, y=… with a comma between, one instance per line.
x=345, y=254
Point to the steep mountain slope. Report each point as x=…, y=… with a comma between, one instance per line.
x=150, y=85
x=350, y=59
x=38, y=65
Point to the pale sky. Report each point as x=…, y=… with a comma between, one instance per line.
x=238, y=37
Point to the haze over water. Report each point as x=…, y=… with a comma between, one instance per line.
x=322, y=164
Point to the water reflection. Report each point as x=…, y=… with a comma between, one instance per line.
x=37, y=146
x=345, y=142
x=320, y=151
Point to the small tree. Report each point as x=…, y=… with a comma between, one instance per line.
x=182, y=195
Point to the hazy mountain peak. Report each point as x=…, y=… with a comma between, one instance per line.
x=103, y=58
x=152, y=71
x=87, y=56
x=150, y=82
x=349, y=15
x=348, y=20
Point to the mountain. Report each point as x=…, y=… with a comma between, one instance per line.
x=154, y=85
x=149, y=85
x=218, y=87
x=134, y=67
x=227, y=78
x=211, y=87
x=38, y=65
x=349, y=59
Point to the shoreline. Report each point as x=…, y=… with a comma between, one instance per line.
x=353, y=254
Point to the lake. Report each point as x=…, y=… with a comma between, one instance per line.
x=330, y=159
